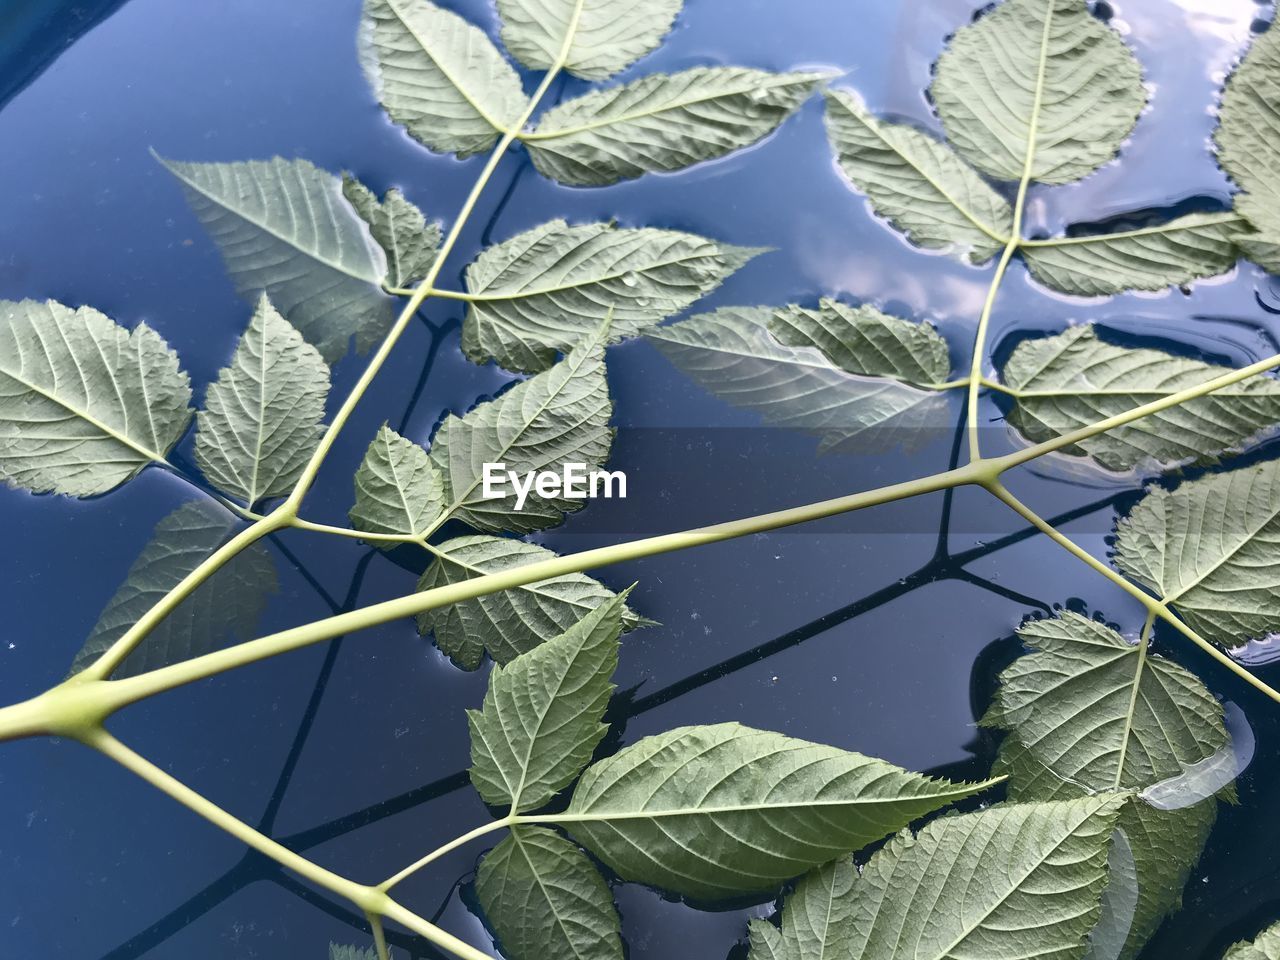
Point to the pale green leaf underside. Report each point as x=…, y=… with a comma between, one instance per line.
x=262, y=418
x=1211, y=549
x=409, y=242
x=815, y=918
x=510, y=622
x=285, y=229
x=1248, y=134
x=866, y=341
x=226, y=607
x=545, y=900
x=721, y=810
x=1075, y=379
x=1152, y=258
x=84, y=403
x=1265, y=946
x=608, y=35
x=663, y=122
x=732, y=353
x=545, y=289
x=556, y=417
x=916, y=183
x=438, y=75
x=398, y=488
x=1044, y=74
x=542, y=714
x=345, y=952
x=1008, y=883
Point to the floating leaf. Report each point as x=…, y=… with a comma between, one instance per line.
x=438, y=75
x=1011, y=882
x=510, y=622
x=1151, y=258
x=224, y=608
x=84, y=403
x=1040, y=87
x=542, y=714
x=732, y=353
x=558, y=417
x=663, y=122
x=343, y=952
x=409, y=242
x=1266, y=946
x=285, y=229
x=398, y=488
x=721, y=810
x=544, y=898
x=1248, y=148
x=1074, y=379
x=916, y=183
x=542, y=291
x=607, y=34
x=262, y=418
x=1209, y=549
x=866, y=341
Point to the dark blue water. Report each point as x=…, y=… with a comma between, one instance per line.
x=881, y=633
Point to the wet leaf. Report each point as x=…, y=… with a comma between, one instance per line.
x=398, y=488
x=1265, y=946
x=408, y=240
x=608, y=35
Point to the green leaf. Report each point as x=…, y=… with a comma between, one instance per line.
x=1248, y=149
x=409, y=242
x=224, y=608
x=815, y=920
x=438, y=75
x=1074, y=379
x=663, y=122
x=398, y=488
x=510, y=622
x=1209, y=549
x=342, y=952
x=542, y=714
x=732, y=353
x=285, y=229
x=1040, y=87
x=559, y=416
x=1265, y=946
x=916, y=183
x=866, y=341
x=721, y=810
x=543, y=290
x=1151, y=258
x=1011, y=882
x=608, y=35
x=545, y=899
x=84, y=403
x=262, y=418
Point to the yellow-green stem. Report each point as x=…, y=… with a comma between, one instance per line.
x=449, y=847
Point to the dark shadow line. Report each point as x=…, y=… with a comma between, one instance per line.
x=407, y=941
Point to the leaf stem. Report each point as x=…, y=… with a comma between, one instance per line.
x=379, y=935
x=449, y=847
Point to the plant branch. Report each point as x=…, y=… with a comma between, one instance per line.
x=449, y=847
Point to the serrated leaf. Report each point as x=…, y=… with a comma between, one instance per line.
x=542, y=714
x=408, y=240
x=559, y=416
x=721, y=810
x=543, y=290
x=608, y=35
x=510, y=622
x=225, y=608
x=345, y=952
x=866, y=341
x=1007, y=883
x=1074, y=379
x=916, y=183
x=438, y=76
x=545, y=899
x=1248, y=150
x=815, y=918
x=84, y=403
x=1265, y=946
x=663, y=122
x=398, y=488
x=732, y=353
x=285, y=229
x=1209, y=549
x=1038, y=86
x=262, y=418
x=1151, y=258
